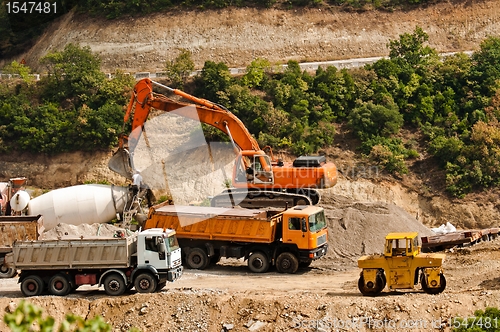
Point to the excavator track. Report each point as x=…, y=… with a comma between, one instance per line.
x=261, y=199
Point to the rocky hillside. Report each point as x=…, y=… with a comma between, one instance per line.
x=237, y=36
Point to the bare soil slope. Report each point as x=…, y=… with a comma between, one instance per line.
x=237, y=36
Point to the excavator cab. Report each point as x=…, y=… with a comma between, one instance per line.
x=260, y=171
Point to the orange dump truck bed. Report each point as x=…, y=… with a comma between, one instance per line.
x=214, y=223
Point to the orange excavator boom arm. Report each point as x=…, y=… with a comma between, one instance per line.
x=143, y=99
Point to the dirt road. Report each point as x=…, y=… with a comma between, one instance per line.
x=322, y=298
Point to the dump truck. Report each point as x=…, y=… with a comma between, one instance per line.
x=13, y=228
x=401, y=266
x=288, y=239
x=145, y=260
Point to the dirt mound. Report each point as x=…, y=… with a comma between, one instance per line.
x=357, y=228
x=85, y=230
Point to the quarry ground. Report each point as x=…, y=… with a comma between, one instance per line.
x=229, y=297
x=361, y=208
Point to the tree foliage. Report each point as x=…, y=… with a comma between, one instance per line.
x=74, y=108
x=178, y=70
x=27, y=317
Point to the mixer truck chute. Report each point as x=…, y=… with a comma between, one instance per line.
x=258, y=180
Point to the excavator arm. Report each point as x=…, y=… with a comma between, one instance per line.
x=144, y=99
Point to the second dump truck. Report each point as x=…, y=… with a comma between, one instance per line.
x=17, y=228
x=146, y=261
x=294, y=237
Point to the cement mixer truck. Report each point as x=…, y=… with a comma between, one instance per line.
x=145, y=260
x=85, y=204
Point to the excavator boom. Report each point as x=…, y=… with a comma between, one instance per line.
x=206, y=112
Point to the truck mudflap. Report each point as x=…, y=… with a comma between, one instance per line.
x=175, y=273
x=315, y=253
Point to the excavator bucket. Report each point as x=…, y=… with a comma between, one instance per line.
x=120, y=163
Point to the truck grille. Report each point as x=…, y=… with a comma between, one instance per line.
x=321, y=240
x=176, y=263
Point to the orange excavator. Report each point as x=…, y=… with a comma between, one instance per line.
x=258, y=179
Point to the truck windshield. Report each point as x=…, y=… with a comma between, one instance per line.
x=317, y=221
x=172, y=243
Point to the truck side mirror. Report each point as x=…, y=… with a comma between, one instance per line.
x=161, y=245
x=304, y=225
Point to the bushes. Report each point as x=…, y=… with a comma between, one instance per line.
x=28, y=317
x=487, y=320
x=74, y=108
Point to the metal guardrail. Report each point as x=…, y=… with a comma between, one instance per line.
x=308, y=66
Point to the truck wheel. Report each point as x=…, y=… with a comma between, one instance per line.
x=428, y=290
x=306, y=263
x=114, y=285
x=59, y=285
x=145, y=283
x=371, y=289
x=160, y=286
x=287, y=263
x=32, y=286
x=258, y=262
x=6, y=272
x=197, y=259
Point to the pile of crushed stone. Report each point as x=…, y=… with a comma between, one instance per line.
x=355, y=228
x=85, y=230
x=358, y=228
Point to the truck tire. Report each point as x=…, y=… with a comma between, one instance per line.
x=59, y=285
x=306, y=264
x=114, y=284
x=145, y=283
x=258, y=262
x=32, y=286
x=287, y=263
x=160, y=286
x=433, y=291
x=197, y=259
x=6, y=272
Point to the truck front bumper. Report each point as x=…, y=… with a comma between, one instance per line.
x=315, y=253
x=175, y=273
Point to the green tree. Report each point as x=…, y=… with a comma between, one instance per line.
x=409, y=50
x=73, y=73
x=256, y=73
x=485, y=73
x=370, y=120
x=178, y=70
x=214, y=79
x=22, y=70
